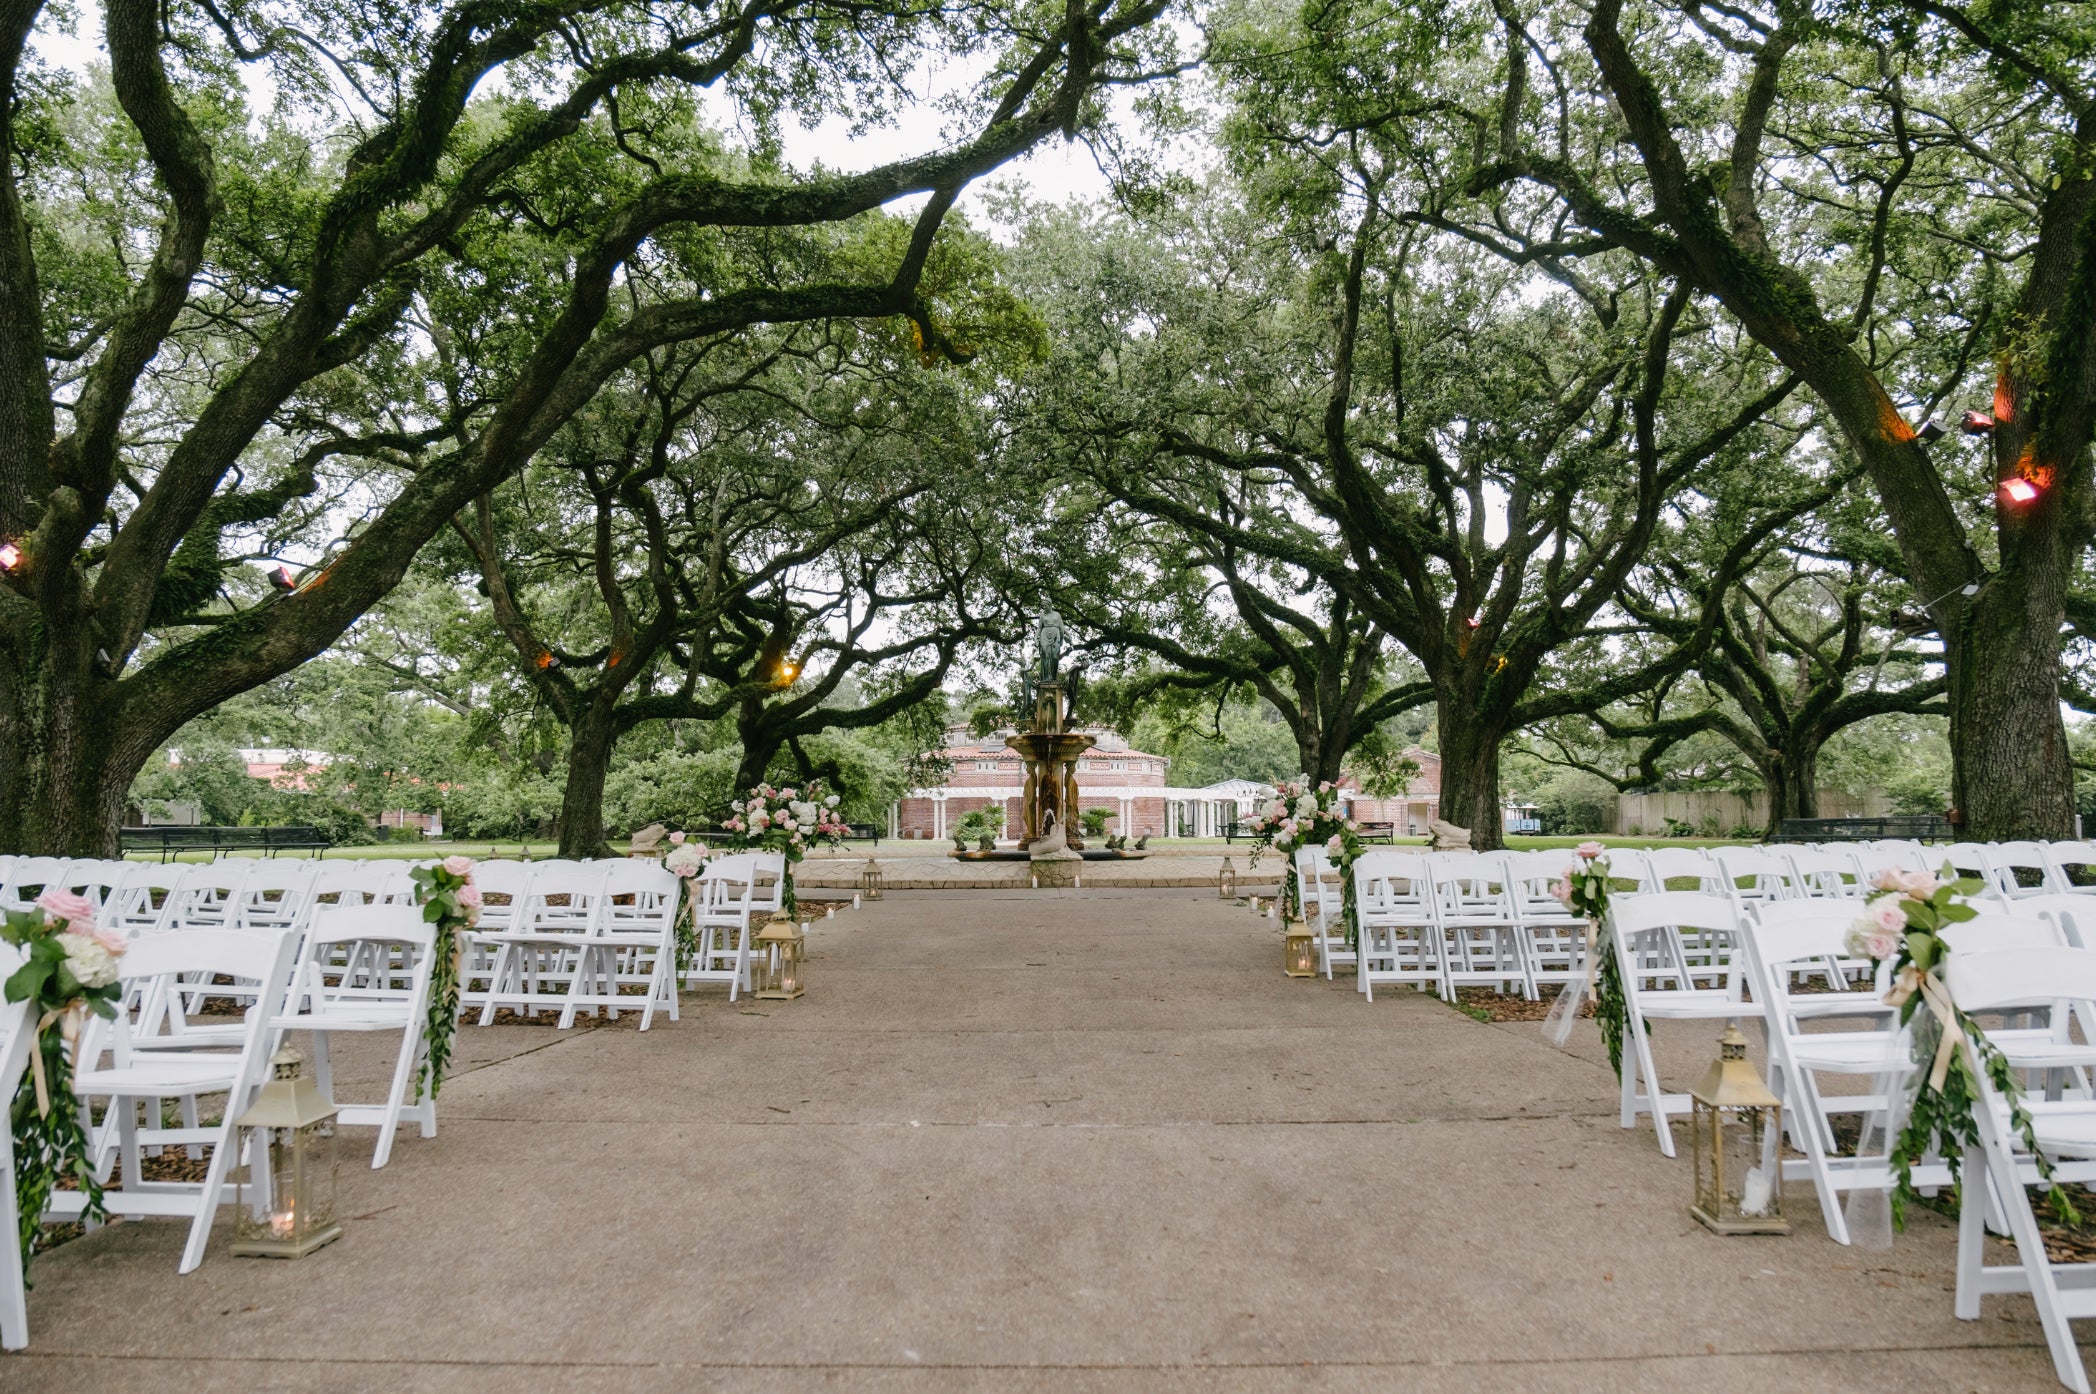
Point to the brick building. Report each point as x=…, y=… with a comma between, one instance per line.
x=1128, y=784
x=1414, y=812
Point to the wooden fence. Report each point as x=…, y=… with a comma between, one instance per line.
x=1713, y=812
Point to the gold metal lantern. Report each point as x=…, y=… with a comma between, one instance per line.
x=870, y=880
x=779, y=972
x=287, y=1191
x=1737, y=1142
x=1299, y=950
x=1226, y=884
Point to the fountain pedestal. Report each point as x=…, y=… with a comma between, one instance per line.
x=1049, y=801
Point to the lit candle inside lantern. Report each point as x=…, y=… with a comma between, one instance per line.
x=283, y=1222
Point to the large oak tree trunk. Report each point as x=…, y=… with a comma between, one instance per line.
x=2011, y=778
x=68, y=755
x=1470, y=774
x=590, y=742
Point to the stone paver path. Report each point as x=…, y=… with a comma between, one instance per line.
x=1085, y=1141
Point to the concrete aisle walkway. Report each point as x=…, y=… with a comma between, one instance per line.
x=1081, y=1141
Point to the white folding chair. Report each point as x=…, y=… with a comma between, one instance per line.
x=1399, y=940
x=1901, y=854
x=363, y=969
x=261, y=959
x=1656, y=867
x=17, y=1037
x=1553, y=939
x=503, y=887
x=142, y=902
x=723, y=903
x=770, y=896
x=1647, y=933
x=1317, y=880
x=96, y=880
x=1479, y=927
x=538, y=957
x=1781, y=938
x=208, y=895
x=2010, y=980
x=633, y=943
x=1971, y=859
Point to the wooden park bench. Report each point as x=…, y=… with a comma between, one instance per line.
x=170, y=841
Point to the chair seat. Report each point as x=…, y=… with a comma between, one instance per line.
x=2071, y=1132
x=1813, y=1006
x=1688, y=1003
x=346, y=1018
x=164, y=1075
x=1854, y=1052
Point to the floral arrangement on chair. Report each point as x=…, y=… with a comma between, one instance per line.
x=1297, y=815
x=1901, y=928
x=787, y=821
x=1584, y=890
x=70, y=971
x=451, y=902
x=685, y=860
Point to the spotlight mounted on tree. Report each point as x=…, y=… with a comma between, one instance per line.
x=2017, y=489
x=1976, y=423
x=280, y=577
x=10, y=557
x=1930, y=431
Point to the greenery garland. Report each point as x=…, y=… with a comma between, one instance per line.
x=1584, y=889
x=1904, y=927
x=70, y=970
x=451, y=902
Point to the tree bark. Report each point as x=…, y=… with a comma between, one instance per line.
x=2010, y=775
x=590, y=742
x=1470, y=772
x=66, y=760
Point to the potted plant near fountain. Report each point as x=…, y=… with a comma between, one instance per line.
x=1093, y=821
x=990, y=822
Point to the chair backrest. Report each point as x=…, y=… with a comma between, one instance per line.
x=142, y=903
x=1986, y=932
x=1969, y=859
x=1664, y=864
x=1672, y=910
x=1897, y=853
x=97, y=880
x=639, y=896
x=363, y=956
x=277, y=894
x=208, y=895
x=581, y=892
x=30, y=878
x=1755, y=874
x=2074, y=863
x=1391, y=883
x=2024, y=868
x=770, y=870
x=1786, y=937
x=1985, y=980
x=2074, y=912
x=1827, y=871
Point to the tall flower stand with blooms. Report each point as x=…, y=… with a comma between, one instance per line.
x=1294, y=816
x=787, y=821
x=451, y=902
x=1902, y=928
x=69, y=970
x=1584, y=890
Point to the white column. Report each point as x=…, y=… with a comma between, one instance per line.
x=895, y=821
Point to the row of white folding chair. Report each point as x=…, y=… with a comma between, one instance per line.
x=1320, y=890
x=1442, y=919
x=565, y=940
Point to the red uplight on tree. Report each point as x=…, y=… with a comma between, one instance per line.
x=1976, y=423
x=282, y=579
x=2017, y=489
x=10, y=557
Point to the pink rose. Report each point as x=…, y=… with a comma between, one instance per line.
x=1919, y=884
x=1889, y=879
x=1562, y=890
x=111, y=939
x=1886, y=913
x=76, y=910
x=1590, y=850
x=676, y=839
x=1881, y=945
x=469, y=896
x=458, y=866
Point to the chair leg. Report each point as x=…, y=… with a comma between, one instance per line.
x=397, y=1094
x=1972, y=1237
x=208, y=1197
x=14, y=1305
